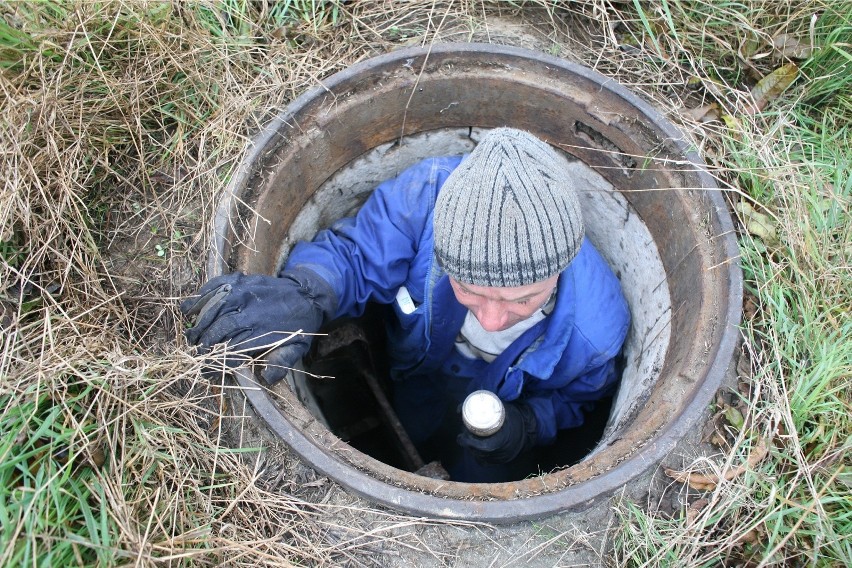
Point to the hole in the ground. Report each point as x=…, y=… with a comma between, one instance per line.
x=612, y=225
x=347, y=389
x=664, y=229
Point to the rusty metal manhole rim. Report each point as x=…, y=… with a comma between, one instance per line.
x=574, y=496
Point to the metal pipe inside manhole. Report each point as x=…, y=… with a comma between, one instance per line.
x=650, y=208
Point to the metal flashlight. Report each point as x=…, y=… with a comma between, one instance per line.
x=483, y=413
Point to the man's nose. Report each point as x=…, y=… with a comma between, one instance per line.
x=491, y=316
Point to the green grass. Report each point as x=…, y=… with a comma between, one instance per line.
x=48, y=512
x=793, y=162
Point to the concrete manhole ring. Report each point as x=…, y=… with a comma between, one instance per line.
x=656, y=215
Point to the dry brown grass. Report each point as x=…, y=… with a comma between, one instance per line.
x=120, y=124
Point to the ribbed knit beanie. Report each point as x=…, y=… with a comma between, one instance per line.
x=508, y=215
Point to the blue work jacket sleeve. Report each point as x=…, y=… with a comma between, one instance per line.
x=369, y=256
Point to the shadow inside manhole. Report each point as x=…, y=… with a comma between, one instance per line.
x=345, y=384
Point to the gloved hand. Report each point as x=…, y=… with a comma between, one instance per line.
x=251, y=312
x=515, y=436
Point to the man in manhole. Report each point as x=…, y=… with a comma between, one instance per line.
x=492, y=286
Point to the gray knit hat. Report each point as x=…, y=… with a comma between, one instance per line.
x=508, y=215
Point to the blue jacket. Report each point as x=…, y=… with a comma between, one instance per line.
x=559, y=366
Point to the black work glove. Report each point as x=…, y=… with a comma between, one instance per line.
x=252, y=312
x=515, y=436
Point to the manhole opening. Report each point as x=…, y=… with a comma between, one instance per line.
x=339, y=390
x=659, y=220
x=345, y=404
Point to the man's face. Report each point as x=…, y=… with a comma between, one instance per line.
x=501, y=308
